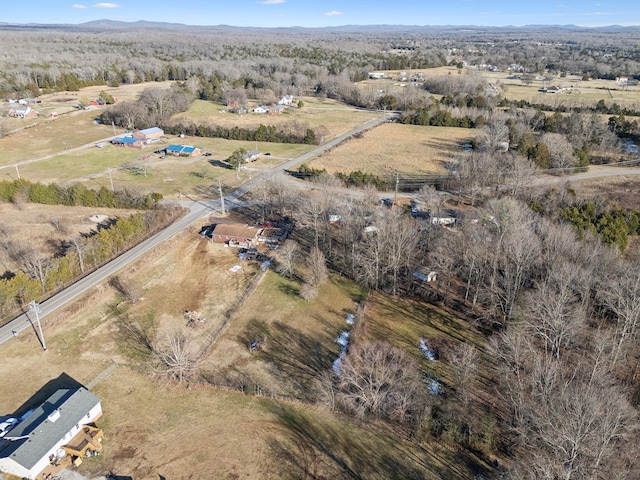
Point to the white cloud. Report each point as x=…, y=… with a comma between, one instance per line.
x=77, y=5
x=332, y=13
x=272, y=2
x=597, y=13
x=106, y=5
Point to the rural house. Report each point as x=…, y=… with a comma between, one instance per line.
x=234, y=234
x=286, y=100
x=26, y=112
x=183, y=151
x=57, y=432
x=276, y=109
x=128, y=142
x=153, y=133
x=261, y=109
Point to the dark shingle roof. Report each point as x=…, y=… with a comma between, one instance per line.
x=38, y=433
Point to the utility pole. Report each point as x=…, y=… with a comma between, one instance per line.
x=395, y=200
x=35, y=308
x=221, y=197
x=17, y=171
x=110, y=179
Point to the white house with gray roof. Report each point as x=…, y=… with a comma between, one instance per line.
x=32, y=444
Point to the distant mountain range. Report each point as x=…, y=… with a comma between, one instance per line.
x=110, y=25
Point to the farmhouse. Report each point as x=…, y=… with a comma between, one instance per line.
x=261, y=109
x=276, y=109
x=152, y=133
x=234, y=234
x=183, y=151
x=58, y=432
x=128, y=142
x=27, y=112
x=286, y=100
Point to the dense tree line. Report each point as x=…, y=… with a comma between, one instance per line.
x=264, y=133
x=21, y=190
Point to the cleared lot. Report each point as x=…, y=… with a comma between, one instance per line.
x=392, y=148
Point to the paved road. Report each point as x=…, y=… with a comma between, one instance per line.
x=200, y=209
x=197, y=210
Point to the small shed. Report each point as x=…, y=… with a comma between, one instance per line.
x=251, y=155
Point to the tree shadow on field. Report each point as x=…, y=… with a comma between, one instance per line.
x=221, y=164
x=312, y=448
x=297, y=358
x=289, y=290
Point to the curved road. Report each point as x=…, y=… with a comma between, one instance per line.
x=197, y=210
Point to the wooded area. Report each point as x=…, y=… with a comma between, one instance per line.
x=546, y=281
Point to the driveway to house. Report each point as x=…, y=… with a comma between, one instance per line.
x=197, y=210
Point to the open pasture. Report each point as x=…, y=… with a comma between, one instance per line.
x=391, y=148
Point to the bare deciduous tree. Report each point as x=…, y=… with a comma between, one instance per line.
x=380, y=380
x=177, y=358
x=561, y=156
x=317, y=271
x=287, y=258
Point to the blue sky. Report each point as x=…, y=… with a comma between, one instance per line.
x=320, y=13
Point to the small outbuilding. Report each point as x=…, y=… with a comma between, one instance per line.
x=251, y=155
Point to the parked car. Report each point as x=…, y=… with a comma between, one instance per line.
x=7, y=425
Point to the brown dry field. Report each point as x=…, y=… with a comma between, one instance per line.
x=622, y=190
x=392, y=148
x=44, y=227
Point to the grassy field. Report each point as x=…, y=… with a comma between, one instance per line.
x=170, y=176
x=333, y=117
x=392, y=148
x=50, y=137
x=300, y=336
